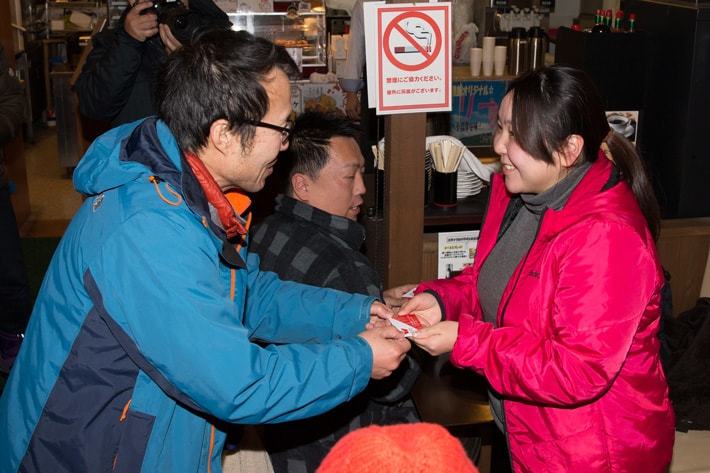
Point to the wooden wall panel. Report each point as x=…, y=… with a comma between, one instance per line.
x=683, y=250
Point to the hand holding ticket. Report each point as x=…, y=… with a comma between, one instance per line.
x=408, y=324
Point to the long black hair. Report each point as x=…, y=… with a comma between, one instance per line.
x=551, y=103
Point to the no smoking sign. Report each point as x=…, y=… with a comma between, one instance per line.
x=414, y=60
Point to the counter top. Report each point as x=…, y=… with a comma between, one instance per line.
x=464, y=73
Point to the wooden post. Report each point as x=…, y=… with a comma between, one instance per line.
x=404, y=197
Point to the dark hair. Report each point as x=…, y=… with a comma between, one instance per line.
x=308, y=151
x=220, y=76
x=551, y=103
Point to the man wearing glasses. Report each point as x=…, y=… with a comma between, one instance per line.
x=140, y=346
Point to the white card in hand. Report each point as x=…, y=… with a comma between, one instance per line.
x=406, y=329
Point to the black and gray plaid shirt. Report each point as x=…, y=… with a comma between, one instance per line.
x=304, y=244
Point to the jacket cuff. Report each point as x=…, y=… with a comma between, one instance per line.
x=124, y=38
x=462, y=351
x=442, y=307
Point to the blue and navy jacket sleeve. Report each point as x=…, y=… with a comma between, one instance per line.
x=163, y=302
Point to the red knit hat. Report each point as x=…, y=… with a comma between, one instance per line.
x=404, y=448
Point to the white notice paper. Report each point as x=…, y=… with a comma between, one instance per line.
x=456, y=251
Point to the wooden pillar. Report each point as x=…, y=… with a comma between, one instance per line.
x=404, y=197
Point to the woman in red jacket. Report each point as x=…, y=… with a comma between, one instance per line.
x=561, y=308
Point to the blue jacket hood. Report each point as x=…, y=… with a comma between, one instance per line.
x=125, y=153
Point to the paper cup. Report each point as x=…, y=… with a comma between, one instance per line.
x=476, y=58
x=489, y=43
x=499, y=55
x=487, y=68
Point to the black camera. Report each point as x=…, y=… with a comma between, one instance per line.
x=184, y=23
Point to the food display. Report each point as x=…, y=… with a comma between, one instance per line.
x=292, y=43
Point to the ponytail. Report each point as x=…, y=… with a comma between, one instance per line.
x=633, y=171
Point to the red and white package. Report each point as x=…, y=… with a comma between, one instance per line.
x=408, y=324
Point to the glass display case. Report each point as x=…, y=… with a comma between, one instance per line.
x=302, y=32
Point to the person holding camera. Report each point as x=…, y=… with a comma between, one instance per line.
x=15, y=299
x=117, y=82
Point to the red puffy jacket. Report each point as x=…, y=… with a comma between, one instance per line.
x=576, y=355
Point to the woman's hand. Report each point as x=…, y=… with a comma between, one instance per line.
x=425, y=306
x=437, y=339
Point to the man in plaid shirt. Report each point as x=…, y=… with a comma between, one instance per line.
x=314, y=238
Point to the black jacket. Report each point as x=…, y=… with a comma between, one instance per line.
x=12, y=107
x=118, y=79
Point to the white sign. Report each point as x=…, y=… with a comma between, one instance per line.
x=456, y=251
x=412, y=57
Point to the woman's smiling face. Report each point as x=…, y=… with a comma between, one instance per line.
x=523, y=173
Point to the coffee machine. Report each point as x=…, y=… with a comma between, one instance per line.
x=498, y=17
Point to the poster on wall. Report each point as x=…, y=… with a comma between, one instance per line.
x=410, y=47
x=474, y=111
x=456, y=250
x=624, y=123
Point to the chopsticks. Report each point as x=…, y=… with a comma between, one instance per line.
x=446, y=155
x=379, y=157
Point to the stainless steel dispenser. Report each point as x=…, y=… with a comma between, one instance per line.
x=537, y=47
x=518, y=50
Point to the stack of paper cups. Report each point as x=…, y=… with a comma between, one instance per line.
x=499, y=54
x=476, y=57
x=489, y=43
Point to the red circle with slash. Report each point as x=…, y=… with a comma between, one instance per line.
x=429, y=57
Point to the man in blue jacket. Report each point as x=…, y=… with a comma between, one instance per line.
x=141, y=344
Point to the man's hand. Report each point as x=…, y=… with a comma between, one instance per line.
x=169, y=41
x=388, y=348
x=425, y=306
x=437, y=339
x=393, y=296
x=379, y=313
x=352, y=105
x=141, y=27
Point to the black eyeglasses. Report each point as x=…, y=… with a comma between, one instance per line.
x=284, y=130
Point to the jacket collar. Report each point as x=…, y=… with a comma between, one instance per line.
x=144, y=146
x=599, y=192
x=351, y=232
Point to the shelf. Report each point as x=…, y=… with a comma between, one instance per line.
x=468, y=211
x=276, y=13
x=70, y=5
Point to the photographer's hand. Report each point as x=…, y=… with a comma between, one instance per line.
x=169, y=41
x=141, y=27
